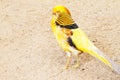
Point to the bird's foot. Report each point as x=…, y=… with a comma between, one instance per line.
x=66, y=67
x=76, y=66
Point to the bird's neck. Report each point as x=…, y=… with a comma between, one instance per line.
x=64, y=20
x=53, y=25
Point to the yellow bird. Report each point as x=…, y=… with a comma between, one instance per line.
x=73, y=40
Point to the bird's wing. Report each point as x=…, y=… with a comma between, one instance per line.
x=82, y=43
x=80, y=39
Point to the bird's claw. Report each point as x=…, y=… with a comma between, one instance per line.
x=66, y=67
x=76, y=66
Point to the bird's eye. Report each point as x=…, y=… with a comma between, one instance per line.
x=58, y=11
x=53, y=13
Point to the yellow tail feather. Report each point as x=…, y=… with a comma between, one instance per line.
x=100, y=55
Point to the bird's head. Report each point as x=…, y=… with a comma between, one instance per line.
x=61, y=15
x=57, y=10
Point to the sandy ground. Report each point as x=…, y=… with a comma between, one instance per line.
x=29, y=51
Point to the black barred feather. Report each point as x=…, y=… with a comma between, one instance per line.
x=64, y=19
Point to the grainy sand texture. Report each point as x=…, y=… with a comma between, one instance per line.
x=29, y=51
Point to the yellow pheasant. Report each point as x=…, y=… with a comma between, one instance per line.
x=73, y=40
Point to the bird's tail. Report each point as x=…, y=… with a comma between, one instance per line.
x=101, y=56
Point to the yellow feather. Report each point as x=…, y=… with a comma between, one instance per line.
x=60, y=36
x=84, y=44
